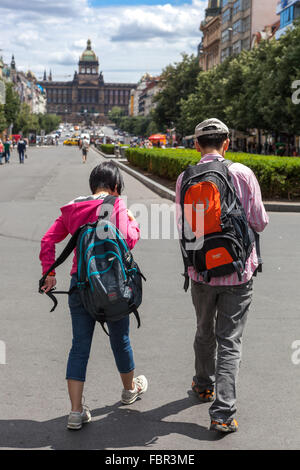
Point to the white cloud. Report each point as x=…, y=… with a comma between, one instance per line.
x=125, y=38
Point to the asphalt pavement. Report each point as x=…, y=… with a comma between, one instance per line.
x=34, y=403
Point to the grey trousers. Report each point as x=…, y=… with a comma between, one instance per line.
x=221, y=318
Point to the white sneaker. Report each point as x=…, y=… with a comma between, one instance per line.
x=77, y=419
x=141, y=386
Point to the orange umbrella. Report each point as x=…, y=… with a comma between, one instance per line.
x=158, y=138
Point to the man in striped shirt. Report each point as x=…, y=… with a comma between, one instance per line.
x=222, y=304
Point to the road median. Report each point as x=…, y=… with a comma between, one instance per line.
x=167, y=193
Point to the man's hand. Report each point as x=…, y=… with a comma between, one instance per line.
x=50, y=282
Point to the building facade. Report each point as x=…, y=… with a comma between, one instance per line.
x=288, y=10
x=241, y=19
x=87, y=95
x=141, y=103
x=146, y=99
x=26, y=86
x=209, y=50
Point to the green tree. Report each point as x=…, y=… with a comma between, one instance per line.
x=177, y=82
x=115, y=115
x=3, y=122
x=152, y=129
x=26, y=121
x=12, y=105
x=207, y=100
x=280, y=71
x=49, y=122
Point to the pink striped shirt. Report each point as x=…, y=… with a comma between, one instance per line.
x=249, y=193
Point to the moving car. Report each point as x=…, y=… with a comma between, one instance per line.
x=72, y=141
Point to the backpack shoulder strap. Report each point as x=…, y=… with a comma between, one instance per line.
x=227, y=163
x=63, y=256
x=107, y=207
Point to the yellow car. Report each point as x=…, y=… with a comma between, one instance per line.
x=71, y=142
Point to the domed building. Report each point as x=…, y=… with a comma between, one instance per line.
x=87, y=96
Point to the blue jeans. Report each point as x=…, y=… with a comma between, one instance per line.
x=21, y=156
x=83, y=329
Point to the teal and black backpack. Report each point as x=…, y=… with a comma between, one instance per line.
x=109, y=281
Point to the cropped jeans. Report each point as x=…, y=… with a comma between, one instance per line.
x=83, y=329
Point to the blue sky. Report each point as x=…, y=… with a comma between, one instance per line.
x=130, y=37
x=110, y=3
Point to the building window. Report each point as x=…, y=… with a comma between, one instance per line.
x=287, y=17
x=225, y=35
x=226, y=16
x=246, y=24
x=237, y=47
x=225, y=53
x=237, y=27
x=246, y=44
x=236, y=7
x=246, y=4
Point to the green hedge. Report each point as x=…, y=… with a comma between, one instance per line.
x=109, y=149
x=279, y=177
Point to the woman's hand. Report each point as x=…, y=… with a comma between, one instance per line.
x=50, y=282
x=130, y=215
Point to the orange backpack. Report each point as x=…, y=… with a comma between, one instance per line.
x=216, y=238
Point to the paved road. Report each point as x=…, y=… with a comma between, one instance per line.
x=34, y=402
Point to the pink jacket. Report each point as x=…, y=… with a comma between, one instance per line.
x=77, y=213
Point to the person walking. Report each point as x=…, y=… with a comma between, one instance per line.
x=1, y=152
x=222, y=302
x=85, y=145
x=106, y=179
x=7, y=148
x=21, y=149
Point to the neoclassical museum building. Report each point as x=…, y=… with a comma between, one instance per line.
x=87, y=95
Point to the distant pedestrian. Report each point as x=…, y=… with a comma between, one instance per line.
x=105, y=180
x=7, y=148
x=230, y=195
x=21, y=149
x=1, y=152
x=85, y=148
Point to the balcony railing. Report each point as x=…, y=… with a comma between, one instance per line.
x=282, y=4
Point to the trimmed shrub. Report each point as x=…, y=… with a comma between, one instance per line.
x=109, y=149
x=279, y=177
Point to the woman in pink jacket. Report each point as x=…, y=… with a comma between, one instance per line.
x=105, y=179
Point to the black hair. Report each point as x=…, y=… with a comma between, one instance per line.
x=212, y=140
x=106, y=176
